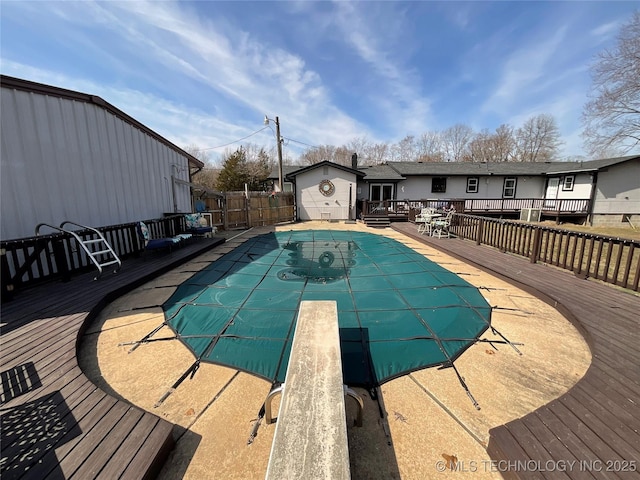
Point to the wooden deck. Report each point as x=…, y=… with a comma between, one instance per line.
x=55, y=422
x=58, y=424
x=596, y=424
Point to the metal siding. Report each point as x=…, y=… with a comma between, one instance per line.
x=113, y=173
x=12, y=148
x=45, y=175
x=64, y=159
x=75, y=126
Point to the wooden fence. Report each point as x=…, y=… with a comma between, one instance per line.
x=234, y=210
x=609, y=259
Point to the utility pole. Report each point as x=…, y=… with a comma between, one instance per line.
x=279, y=154
x=279, y=140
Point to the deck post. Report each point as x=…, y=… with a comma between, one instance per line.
x=479, y=232
x=535, y=248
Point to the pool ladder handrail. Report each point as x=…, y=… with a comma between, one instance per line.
x=88, y=245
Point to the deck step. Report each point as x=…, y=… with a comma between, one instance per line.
x=376, y=221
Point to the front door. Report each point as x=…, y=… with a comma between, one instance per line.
x=552, y=192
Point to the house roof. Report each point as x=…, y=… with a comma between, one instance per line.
x=590, y=166
x=405, y=169
x=34, y=87
x=286, y=170
x=297, y=170
x=382, y=172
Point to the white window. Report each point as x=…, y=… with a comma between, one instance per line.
x=472, y=184
x=509, y=189
x=567, y=182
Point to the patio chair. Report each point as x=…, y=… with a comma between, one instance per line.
x=156, y=243
x=440, y=226
x=196, y=224
x=424, y=220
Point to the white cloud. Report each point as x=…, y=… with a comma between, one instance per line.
x=398, y=89
x=606, y=30
x=523, y=70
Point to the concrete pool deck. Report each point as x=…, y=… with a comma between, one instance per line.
x=430, y=419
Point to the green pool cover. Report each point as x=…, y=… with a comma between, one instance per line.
x=397, y=310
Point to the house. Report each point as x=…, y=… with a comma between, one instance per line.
x=71, y=156
x=604, y=192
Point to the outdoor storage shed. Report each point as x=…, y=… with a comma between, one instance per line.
x=326, y=191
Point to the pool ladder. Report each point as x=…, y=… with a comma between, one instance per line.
x=97, y=249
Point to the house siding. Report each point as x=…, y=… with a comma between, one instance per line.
x=618, y=190
x=313, y=205
x=488, y=187
x=64, y=159
x=582, y=186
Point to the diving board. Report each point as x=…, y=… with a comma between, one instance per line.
x=310, y=439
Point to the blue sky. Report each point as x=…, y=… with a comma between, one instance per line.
x=205, y=73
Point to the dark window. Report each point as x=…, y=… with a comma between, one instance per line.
x=509, y=189
x=438, y=184
x=472, y=184
x=567, y=182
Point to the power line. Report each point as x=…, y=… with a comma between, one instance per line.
x=236, y=141
x=255, y=133
x=301, y=143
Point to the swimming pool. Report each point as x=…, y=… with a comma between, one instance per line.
x=397, y=310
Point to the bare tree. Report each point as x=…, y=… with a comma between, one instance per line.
x=342, y=156
x=493, y=147
x=199, y=153
x=482, y=147
x=405, y=150
x=207, y=177
x=456, y=142
x=318, y=154
x=612, y=116
x=375, y=154
x=429, y=146
x=359, y=145
x=505, y=143
x=538, y=139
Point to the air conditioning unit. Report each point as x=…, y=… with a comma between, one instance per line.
x=530, y=214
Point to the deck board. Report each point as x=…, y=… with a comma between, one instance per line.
x=44, y=389
x=597, y=420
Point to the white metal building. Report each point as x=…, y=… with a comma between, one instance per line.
x=72, y=156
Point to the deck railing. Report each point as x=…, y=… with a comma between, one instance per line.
x=33, y=260
x=609, y=259
x=408, y=208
